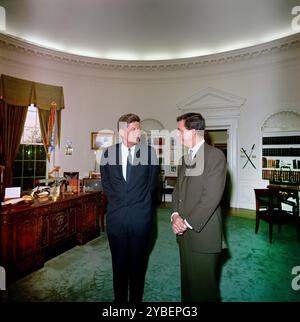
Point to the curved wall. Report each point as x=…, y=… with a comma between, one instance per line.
x=97, y=92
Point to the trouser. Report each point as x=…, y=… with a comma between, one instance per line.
x=129, y=262
x=200, y=274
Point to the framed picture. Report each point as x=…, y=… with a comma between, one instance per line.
x=73, y=182
x=102, y=140
x=173, y=170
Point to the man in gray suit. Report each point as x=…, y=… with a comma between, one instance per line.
x=196, y=214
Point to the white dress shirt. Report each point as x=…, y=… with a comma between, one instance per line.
x=194, y=151
x=124, y=153
x=195, y=148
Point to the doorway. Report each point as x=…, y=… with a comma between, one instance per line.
x=219, y=139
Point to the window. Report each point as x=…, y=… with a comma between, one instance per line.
x=31, y=161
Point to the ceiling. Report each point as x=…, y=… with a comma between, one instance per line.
x=148, y=29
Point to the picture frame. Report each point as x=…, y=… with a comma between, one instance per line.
x=102, y=140
x=173, y=170
x=73, y=181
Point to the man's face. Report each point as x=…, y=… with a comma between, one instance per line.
x=132, y=133
x=185, y=135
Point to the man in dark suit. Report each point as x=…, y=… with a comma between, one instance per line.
x=129, y=173
x=196, y=217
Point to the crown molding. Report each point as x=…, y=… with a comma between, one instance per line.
x=22, y=46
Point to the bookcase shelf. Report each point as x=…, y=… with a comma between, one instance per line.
x=281, y=157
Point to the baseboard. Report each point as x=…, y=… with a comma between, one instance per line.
x=240, y=212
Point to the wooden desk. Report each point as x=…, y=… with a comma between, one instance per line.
x=34, y=233
x=287, y=192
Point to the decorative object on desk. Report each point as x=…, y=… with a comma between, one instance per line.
x=43, y=196
x=102, y=140
x=73, y=182
x=27, y=198
x=40, y=192
x=69, y=148
x=92, y=184
x=248, y=156
x=55, y=192
x=94, y=174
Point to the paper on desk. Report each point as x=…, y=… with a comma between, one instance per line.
x=12, y=201
x=13, y=192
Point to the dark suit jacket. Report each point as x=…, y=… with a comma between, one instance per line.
x=197, y=195
x=130, y=205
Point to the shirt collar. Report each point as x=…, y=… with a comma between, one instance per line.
x=124, y=149
x=196, y=147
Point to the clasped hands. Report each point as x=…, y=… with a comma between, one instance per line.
x=178, y=225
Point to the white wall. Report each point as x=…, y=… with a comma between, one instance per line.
x=95, y=97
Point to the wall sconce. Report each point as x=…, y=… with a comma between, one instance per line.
x=69, y=148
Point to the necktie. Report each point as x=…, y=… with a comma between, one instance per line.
x=129, y=165
x=190, y=164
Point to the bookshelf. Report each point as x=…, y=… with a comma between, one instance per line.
x=281, y=157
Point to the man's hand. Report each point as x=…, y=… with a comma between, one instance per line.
x=178, y=225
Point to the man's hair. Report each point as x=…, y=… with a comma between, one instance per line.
x=128, y=118
x=192, y=121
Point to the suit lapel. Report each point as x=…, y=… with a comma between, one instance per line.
x=119, y=160
x=137, y=155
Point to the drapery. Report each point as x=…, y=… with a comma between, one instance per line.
x=21, y=92
x=12, y=120
x=15, y=96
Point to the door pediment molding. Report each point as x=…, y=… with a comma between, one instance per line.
x=213, y=102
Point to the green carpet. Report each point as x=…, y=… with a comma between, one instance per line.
x=254, y=270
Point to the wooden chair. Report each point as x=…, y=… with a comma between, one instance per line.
x=168, y=187
x=269, y=208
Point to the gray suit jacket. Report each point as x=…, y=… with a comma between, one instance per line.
x=197, y=195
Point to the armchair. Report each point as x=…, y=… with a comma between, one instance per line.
x=168, y=187
x=269, y=208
